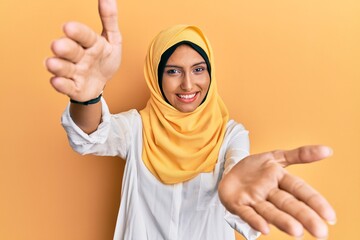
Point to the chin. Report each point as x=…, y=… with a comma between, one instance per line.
x=187, y=109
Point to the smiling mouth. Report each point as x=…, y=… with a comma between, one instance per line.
x=187, y=97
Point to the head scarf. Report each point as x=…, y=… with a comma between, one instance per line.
x=177, y=146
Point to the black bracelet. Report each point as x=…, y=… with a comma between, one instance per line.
x=92, y=101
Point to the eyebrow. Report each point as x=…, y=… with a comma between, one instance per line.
x=175, y=66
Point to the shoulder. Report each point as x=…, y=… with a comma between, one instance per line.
x=130, y=115
x=130, y=119
x=236, y=136
x=234, y=127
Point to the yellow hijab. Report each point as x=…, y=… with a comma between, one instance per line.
x=178, y=146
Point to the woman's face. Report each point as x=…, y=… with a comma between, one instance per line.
x=186, y=79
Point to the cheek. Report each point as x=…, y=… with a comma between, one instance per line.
x=208, y=84
x=168, y=86
x=205, y=84
x=204, y=81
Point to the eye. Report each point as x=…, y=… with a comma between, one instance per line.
x=172, y=71
x=199, y=70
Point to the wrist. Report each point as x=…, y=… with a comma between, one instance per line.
x=89, y=102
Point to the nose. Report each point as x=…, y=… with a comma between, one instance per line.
x=186, y=83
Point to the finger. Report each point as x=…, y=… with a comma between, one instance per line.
x=304, y=154
x=80, y=33
x=109, y=18
x=279, y=219
x=250, y=216
x=67, y=49
x=63, y=85
x=60, y=67
x=304, y=192
x=300, y=211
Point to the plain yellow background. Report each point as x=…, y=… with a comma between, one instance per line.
x=288, y=70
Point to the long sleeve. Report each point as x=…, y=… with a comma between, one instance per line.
x=112, y=138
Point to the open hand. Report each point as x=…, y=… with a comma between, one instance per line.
x=83, y=60
x=260, y=191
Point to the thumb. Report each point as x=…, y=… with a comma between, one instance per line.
x=305, y=154
x=109, y=19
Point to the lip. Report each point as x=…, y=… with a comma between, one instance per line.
x=187, y=100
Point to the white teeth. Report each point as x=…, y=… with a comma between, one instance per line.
x=187, y=96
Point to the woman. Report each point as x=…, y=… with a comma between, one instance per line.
x=182, y=152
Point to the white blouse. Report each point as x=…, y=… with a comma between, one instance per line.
x=150, y=209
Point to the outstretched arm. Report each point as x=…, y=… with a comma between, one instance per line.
x=260, y=191
x=84, y=61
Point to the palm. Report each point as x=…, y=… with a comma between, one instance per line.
x=260, y=191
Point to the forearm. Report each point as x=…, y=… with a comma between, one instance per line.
x=86, y=117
